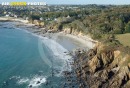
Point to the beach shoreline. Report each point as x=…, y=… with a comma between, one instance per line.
x=13, y=19
x=62, y=45
x=82, y=40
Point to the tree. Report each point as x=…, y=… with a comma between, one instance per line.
x=127, y=27
x=105, y=28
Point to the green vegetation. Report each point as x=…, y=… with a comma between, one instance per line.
x=124, y=39
x=99, y=21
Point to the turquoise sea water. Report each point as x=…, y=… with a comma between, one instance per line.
x=26, y=61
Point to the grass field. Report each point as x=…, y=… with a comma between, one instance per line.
x=124, y=39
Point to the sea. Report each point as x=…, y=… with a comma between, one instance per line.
x=30, y=61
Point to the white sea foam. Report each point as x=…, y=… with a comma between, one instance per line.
x=23, y=80
x=59, y=54
x=37, y=81
x=15, y=77
x=34, y=82
x=57, y=50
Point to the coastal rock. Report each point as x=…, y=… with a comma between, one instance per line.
x=116, y=69
x=36, y=22
x=105, y=74
x=116, y=53
x=95, y=64
x=127, y=85
x=68, y=30
x=124, y=73
x=129, y=65
x=92, y=52
x=107, y=57
x=72, y=31
x=105, y=68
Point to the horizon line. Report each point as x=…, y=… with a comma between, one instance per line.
x=86, y=4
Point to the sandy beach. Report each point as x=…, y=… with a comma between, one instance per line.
x=13, y=19
x=68, y=41
x=62, y=45
x=71, y=42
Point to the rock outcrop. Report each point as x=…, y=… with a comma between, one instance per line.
x=104, y=67
x=71, y=31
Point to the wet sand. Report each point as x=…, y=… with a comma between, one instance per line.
x=68, y=41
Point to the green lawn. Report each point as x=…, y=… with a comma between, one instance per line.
x=124, y=39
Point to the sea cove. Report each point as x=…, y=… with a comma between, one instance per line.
x=26, y=60
x=65, y=45
x=31, y=60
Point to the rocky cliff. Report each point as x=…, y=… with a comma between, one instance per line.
x=72, y=31
x=103, y=67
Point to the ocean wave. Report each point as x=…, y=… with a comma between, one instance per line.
x=14, y=77
x=56, y=48
x=37, y=81
x=34, y=82
x=59, y=54
x=23, y=80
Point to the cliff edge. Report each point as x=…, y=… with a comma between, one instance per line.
x=103, y=67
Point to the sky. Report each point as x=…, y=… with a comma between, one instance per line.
x=115, y=2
